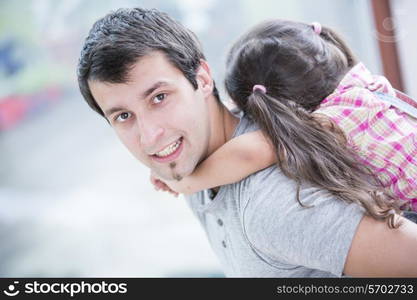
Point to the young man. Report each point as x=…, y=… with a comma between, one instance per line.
x=146, y=74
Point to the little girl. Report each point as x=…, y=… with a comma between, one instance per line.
x=297, y=81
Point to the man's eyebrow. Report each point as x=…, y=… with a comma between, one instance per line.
x=155, y=86
x=112, y=110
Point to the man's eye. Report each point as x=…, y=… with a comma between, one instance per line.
x=123, y=117
x=159, y=98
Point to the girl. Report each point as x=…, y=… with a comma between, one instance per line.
x=323, y=118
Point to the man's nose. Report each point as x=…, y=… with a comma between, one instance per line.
x=149, y=133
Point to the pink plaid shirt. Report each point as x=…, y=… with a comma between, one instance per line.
x=384, y=137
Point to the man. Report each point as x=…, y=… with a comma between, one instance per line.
x=146, y=74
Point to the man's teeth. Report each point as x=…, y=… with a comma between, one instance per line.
x=169, y=150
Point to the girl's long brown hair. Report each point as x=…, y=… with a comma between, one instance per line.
x=299, y=68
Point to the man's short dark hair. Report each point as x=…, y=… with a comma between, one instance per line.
x=119, y=39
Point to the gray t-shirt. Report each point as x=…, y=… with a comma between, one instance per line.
x=257, y=228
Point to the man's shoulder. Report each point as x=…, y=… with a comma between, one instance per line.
x=264, y=186
x=270, y=178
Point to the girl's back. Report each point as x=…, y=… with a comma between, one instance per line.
x=384, y=137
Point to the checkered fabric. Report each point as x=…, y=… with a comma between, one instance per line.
x=384, y=136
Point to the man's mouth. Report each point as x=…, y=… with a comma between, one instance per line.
x=169, y=153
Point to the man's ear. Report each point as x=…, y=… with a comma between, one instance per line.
x=204, y=80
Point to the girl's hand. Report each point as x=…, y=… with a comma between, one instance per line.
x=184, y=186
x=161, y=185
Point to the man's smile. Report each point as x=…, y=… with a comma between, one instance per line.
x=169, y=153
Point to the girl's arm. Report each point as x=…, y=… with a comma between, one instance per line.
x=235, y=160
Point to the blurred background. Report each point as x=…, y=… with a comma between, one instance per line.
x=73, y=201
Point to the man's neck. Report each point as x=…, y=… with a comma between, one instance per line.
x=223, y=125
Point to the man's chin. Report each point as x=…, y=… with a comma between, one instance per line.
x=176, y=174
x=169, y=175
x=175, y=170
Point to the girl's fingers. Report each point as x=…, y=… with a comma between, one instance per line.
x=160, y=185
x=155, y=183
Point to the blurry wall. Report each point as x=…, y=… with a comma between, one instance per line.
x=405, y=28
x=73, y=201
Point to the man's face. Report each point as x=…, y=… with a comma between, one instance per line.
x=158, y=115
